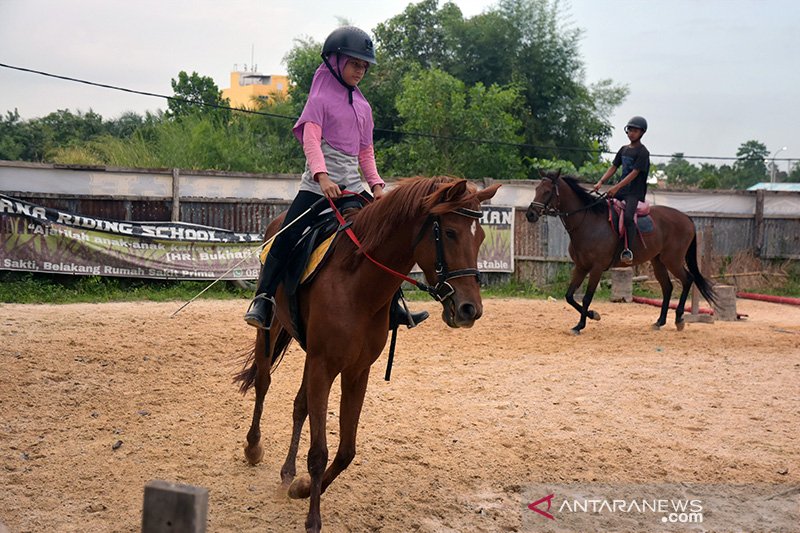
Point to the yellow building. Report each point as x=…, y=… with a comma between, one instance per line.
x=247, y=87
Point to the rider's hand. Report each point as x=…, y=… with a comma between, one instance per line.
x=612, y=191
x=377, y=191
x=329, y=188
x=597, y=186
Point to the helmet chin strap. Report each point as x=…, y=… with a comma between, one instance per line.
x=338, y=76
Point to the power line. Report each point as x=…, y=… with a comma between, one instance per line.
x=380, y=130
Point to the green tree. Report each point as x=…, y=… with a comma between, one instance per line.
x=18, y=140
x=437, y=103
x=546, y=62
x=125, y=125
x=520, y=43
x=192, y=92
x=33, y=140
x=681, y=172
x=794, y=173
x=750, y=167
x=422, y=34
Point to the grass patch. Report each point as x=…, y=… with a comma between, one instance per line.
x=34, y=288
x=30, y=288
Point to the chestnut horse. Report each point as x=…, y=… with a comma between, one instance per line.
x=431, y=222
x=594, y=246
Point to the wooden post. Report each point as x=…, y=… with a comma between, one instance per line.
x=172, y=508
x=725, y=307
x=176, y=195
x=622, y=284
x=759, y=223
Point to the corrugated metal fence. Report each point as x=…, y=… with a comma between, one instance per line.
x=767, y=225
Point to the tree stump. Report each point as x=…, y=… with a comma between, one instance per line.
x=622, y=284
x=172, y=508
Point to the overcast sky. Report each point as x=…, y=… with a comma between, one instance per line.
x=707, y=74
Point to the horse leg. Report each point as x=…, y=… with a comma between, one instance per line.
x=318, y=387
x=299, y=414
x=662, y=276
x=578, y=275
x=254, y=451
x=354, y=387
x=680, y=272
x=591, y=286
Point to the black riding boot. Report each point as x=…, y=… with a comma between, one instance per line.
x=399, y=315
x=260, y=312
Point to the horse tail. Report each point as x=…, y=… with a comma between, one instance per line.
x=247, y=376
x=703, y=285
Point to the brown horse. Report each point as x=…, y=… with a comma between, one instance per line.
x=594, y=246
x=430, y=222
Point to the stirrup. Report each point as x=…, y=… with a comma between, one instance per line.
x=412, y=320
x=626, y=256
x=259, y=313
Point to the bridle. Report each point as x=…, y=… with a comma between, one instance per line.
x=442, y=290
x=545, y=209
x=551, y=210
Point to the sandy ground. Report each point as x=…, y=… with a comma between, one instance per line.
x=470, y=418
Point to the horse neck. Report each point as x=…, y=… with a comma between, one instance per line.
x=569, y=202
x=396, y=252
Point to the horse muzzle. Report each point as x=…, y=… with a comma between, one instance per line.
x=460, y=315
x=532, y=214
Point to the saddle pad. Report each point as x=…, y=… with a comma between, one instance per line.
x=314, y=260
x=643, y=223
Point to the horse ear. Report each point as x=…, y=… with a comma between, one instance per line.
x=558, y=175
x=455, y=191
x=488, y=192
x=542, y=173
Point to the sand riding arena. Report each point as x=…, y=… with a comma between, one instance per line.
x=99, y=399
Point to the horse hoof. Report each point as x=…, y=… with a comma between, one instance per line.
x=575, y=331
x=286, y=480
x=680, y=325
x=300, y=488
x=656, y=327
x=594, y=315
x=254, y=454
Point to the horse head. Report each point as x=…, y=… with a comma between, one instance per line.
x=545, y=197
x=447, y=249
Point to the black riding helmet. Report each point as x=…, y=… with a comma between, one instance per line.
x=350, y=41
x=637, y=122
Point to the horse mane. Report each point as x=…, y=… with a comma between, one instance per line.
x=411, y=199
x=584, y=196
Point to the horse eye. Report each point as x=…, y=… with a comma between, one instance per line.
x=450, y=234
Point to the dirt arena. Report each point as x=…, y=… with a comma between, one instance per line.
x=469, y=418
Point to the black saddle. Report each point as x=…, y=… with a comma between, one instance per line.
x=321, y=229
